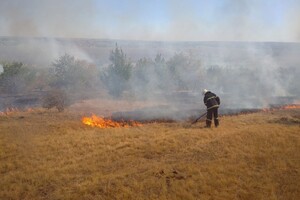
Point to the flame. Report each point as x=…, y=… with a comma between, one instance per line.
x=9, y=111
x=292, y=106
x=284, y=107
x=101, y=122
x=13, y=110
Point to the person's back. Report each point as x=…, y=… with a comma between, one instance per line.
x=212, y=102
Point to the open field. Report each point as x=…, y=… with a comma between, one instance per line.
x=50, y=155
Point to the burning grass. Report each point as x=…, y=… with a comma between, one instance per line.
x=51, y=155
x=12, y=111
x=101, y=122
x=291, y=106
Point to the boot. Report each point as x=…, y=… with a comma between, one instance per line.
x=216, y=122
x=208, y=124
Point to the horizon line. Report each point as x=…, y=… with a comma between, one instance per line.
x=141, y=40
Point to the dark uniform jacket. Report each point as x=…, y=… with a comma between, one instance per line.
x=211, y=100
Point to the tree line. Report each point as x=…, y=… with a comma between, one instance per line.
x=146, y=77
x=73, y=75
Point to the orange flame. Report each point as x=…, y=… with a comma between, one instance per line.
x=13, y=110
x=101, y=122
x=292, y=106
x=284, y=107
x=9, y=111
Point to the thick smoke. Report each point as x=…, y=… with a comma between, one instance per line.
x=172, y=75
x=40, y=52
x=243, y=74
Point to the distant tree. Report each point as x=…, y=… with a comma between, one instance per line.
x=142, y=68
x=176, y=65
x=160, y=65
x=72, y=74
x=12, y=69
x=118, y=73
x=15, y=77
x=162, y=74
x=159, y=59
x=142, y=76
x=120, y=65
x=185, y=71
x=62, y=68
x=71, y=80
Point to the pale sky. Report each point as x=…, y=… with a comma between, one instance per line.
x=162, y=20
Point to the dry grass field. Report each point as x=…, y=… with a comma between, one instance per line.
x=49, y=155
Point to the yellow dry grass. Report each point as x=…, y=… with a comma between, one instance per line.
x=50, y=155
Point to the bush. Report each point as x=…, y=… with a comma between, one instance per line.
x=55, y=98
x=15, y=77
x=77, y=78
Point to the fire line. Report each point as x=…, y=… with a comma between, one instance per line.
x=101, y=122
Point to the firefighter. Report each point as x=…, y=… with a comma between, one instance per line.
x=212, y=102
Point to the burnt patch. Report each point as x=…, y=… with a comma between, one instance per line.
x=154, y=114
x=287, y=120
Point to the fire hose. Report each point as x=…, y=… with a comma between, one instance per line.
x=204, y=114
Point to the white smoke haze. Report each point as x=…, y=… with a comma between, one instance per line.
x=245, y=75
x=229, y=20
x=40, y=52
x=254, y=73
x=45, y=18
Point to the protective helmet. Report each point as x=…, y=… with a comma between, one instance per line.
x=204, y=91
